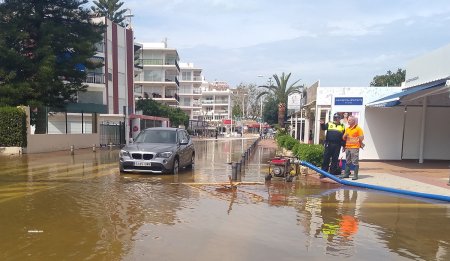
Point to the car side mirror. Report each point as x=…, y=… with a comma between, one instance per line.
x=131, y=140
x=184, y=142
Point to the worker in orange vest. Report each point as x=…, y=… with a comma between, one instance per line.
x=353, y=137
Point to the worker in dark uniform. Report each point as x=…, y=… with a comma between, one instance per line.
x=333, y=144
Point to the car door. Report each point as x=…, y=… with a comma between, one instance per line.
x=182, y=149
x=189, y=148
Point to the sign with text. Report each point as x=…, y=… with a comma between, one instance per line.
x=348, y=101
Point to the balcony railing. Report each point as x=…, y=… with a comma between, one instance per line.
x=150, y=62
x=98, y=78
x=171, y=78
x=221, y=101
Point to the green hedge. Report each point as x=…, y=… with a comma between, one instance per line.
x=311, y=153
x=13, y=127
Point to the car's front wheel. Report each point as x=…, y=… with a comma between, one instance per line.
x=191, y=165
x=176, y=166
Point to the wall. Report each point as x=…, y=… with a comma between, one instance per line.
x=38, y=143
x=383, y=133
x=437, y=134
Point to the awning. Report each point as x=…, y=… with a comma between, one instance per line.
x=406, y=96
x=85, y=108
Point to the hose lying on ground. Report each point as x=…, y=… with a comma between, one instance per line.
x=362, y=185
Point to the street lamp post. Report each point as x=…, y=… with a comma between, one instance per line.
x=261, y=115
x=261, y=120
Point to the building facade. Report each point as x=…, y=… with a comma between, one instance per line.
x=159, y=76
x=216, y=102
x=190, y=91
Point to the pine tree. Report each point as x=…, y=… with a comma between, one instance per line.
x=45, y=50
x=110, y=10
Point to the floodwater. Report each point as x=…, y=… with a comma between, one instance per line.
x=60, y=207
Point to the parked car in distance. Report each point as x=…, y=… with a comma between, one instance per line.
x=158, y=150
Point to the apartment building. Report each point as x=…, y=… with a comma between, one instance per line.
x=112, y=84
x=101, y=107
x=216, y=102
x=159, y=77
x=190, y=91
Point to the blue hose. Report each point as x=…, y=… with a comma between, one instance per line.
x=356, y=184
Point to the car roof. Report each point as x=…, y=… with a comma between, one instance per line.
x=163, y=128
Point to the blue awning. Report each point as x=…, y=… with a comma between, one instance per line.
x=396, y=98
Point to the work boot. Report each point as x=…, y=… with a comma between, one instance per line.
x=355, y=173
x=346, y=173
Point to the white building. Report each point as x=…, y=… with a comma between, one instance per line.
x=159, y=77
x=190, y=91
x=410, y=122
x=415, y=121
x=216, y=102
x=323, y=102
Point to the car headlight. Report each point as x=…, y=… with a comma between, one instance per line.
x=166, y=154
x=124, y=153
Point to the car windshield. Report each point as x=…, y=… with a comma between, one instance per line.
x=157, y=136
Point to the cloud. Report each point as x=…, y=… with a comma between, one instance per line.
x=339, y=42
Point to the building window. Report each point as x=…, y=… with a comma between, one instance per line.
x=152, y=76
x=186, y=76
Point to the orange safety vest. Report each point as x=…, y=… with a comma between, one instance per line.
x=353, y=134
x=348, y=226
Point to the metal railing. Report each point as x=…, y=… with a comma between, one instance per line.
x=95, y=78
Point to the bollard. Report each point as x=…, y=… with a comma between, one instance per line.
x=110, y=146
x=234, y=171
x=239, y=168
x=72, y=149
x=93, y=148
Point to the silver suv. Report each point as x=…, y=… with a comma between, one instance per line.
x=158, y=150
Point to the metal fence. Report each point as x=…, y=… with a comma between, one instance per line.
x=112, y=133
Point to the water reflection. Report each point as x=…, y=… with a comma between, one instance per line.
x=61, y=207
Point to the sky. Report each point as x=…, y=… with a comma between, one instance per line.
x=337, y=42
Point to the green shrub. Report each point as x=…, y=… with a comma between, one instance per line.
x=281, y=139
x=290, y=142
x=13, y=130
x=311, y=153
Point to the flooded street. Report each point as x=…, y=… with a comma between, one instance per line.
x=60, y=207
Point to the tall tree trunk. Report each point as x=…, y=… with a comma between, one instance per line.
x=281, y=112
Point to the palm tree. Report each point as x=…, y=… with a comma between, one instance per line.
x=281, y=92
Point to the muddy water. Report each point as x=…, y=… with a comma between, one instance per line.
x=60, y=207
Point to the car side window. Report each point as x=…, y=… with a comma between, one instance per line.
x=181, y=136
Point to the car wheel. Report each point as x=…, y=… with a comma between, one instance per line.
x=176, y=166
x=191, y=165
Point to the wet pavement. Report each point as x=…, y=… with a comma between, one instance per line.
x=56, y=206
